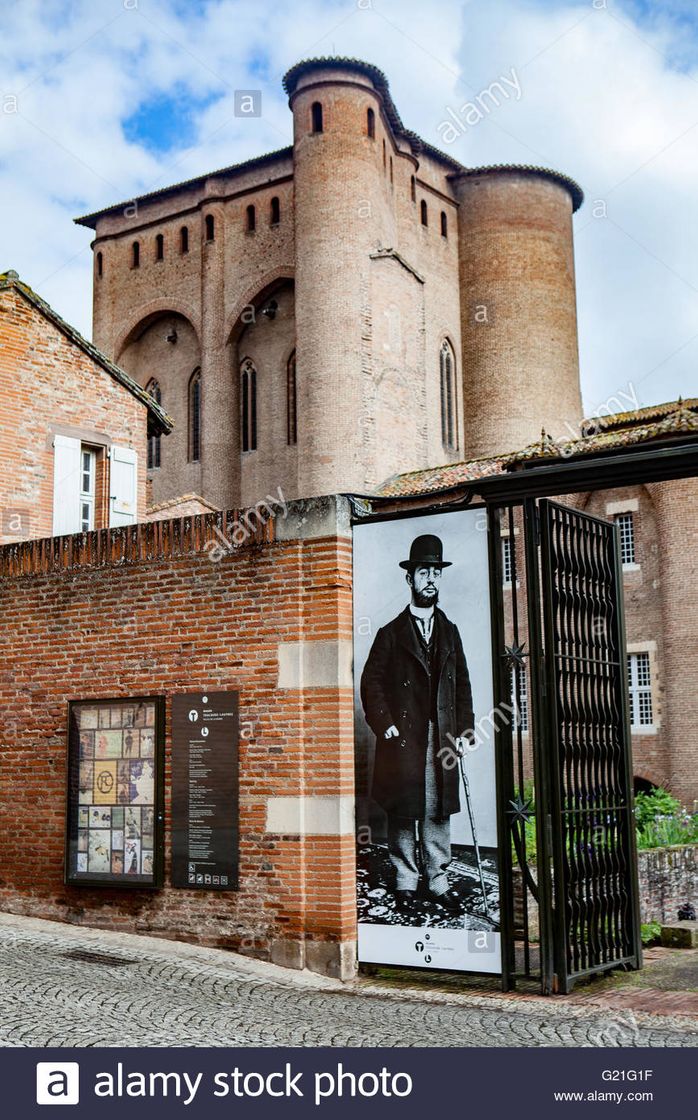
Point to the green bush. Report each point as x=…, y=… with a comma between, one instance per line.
x=662, y=821
x=650, y=932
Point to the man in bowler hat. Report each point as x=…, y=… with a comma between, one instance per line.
x=416, y=695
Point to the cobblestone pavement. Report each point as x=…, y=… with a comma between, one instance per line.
x=173, y=994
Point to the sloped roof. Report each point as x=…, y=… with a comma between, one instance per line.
x=380, y=82
x=659, y=423
x=158, y=419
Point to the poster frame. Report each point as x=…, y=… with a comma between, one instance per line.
x=156, y=882
x=504, y=773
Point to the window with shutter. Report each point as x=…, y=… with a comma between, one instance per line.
x=123, y=487
x=66, y=485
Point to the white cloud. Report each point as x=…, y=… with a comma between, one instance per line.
x=605, y=98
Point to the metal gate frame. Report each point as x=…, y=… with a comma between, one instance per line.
x=594, y=895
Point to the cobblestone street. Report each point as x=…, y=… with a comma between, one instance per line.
x=59, y=988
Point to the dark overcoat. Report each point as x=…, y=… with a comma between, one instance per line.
x=395, y=690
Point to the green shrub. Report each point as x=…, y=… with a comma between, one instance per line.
x=650, y=932
x=662, y=821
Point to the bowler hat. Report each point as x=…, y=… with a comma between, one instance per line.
x=426, y=552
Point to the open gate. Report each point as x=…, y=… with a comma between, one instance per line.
x=572, y=900
x=594, y=877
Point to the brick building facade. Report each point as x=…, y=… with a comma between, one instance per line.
x=73, y=427
x=355, y=305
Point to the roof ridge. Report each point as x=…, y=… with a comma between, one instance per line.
x=11, y=279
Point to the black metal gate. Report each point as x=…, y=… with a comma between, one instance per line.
x=595, y=911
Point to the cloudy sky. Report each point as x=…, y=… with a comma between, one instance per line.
x=101, y=100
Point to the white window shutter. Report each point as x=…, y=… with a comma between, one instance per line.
x=66, y=486
x=123, y=487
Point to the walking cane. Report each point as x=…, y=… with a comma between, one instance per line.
x=468, y=802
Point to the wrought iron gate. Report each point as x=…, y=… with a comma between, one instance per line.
x=595, y=912
x=569, y=878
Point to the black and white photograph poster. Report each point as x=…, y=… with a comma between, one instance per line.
x=427, y=872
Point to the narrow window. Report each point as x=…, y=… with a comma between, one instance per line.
x=275, y=211
x=100, y=264
x=195, y=416
x=391, y=171
x=384, y=154
x=424, y=213
x=448, y=396
x=520, y=703
x=507, y=564
x=248, y=403
x=153, y=388
x=210, y=227
x=316, y=116
x=291, y=401
x=626, y=528
x=413, y=188
x=184, y=239
x=88, y=473
x=370, y=124
x=640, y=688
x=444, y=224
x=251, y=218
x=135, y=254
x=159, y=247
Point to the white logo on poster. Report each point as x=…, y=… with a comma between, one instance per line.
x=57, y=1083
x=204, y=699
x=193, y=716
x=204, y=731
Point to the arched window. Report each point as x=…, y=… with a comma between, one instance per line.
x=413, y=188
x=210, y=227
x=275, y=211
x=153, y=389
x=184, y=239
x=444, y=224
x=447, y=363
x=384, y=156
x=424, y=213
x=291, y=401
x=391, y=171
x=248, y=406
x=251, y=218
x=370, y=124
x=100, y=264
x=194, y=416
x=159, y=247
x=135, y=254
x=316, y=116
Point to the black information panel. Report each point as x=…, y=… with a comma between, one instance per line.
x=205, y=732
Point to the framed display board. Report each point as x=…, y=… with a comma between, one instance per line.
x=205, y=739
x=115, y=789
x=428, y=890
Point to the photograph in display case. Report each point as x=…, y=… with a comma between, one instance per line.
x=115, y=792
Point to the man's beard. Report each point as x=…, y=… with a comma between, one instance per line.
x=426, y=598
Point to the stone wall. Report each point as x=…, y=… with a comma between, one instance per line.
x=668, y=879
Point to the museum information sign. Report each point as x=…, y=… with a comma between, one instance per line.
x=205, y=790
x=114, y=817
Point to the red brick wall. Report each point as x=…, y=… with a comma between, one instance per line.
x=94, y=620
x=48, y=385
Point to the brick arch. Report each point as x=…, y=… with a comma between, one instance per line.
x=264, y=286
x=154, y=309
